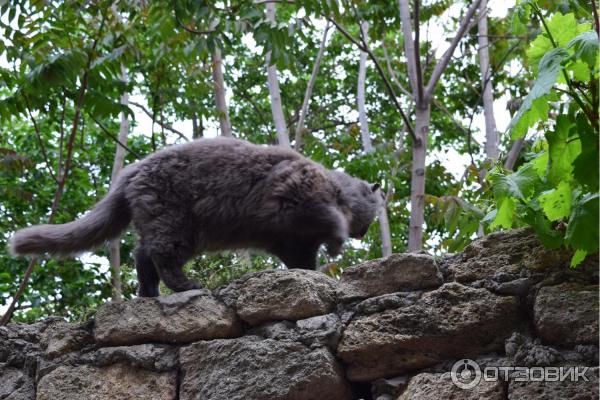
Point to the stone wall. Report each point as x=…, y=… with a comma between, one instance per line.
x=388, y=329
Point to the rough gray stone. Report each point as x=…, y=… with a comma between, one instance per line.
x=545, y=390
x=259, y=369
x=153, y=357
x=179, y=318
x=427, y=386
x=319, y=331
x=505, y=256
x=322, y=330
x=396, y=273
x=567, y=314
x=387, y=301
x=527, y=352
x=274, y=295
x=15, y=385
x=20, y=347
x=61, y=337
x=452, y=321
x=118, y=381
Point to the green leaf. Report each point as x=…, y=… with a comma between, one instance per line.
x=578, y=70
x=564, y=148
x=520, y=184
x=557, y=202
x=505, y=214
x=534, y=217
x=582, y=232
x=540, y=164
x=584, y=165
x=578, y=257
x=586, y=47
x=562, y=27
x=549, y=68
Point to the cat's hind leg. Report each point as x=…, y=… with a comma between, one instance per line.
x=170, y=271
x=296, y=254
x=147, y=276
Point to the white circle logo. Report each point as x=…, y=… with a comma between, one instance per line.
x=465, y=374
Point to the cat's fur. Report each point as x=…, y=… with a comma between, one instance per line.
x=216, y=194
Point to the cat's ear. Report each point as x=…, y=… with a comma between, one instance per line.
x=375, y=187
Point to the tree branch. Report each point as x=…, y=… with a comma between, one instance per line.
x=114, y=138
x=309, y=89
x=513, y=154
x=392, y=73
x=386, y=82
x=409, y=47
x=161, y=123
x=596, y=22
x=39, y=139
x=188, y=29
x=283, y=138
x=417, y=46
x=443, y=62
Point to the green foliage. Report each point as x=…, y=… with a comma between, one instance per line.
x=556, y=191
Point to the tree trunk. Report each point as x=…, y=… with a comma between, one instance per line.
x=114, y=254
x=492, y=143
x=360, y=94
x=309, y=90
x=417, y=182
x=219, y=82
x=197, y=127
x=274, y=93
x=384, y=224
x=513, y=154
x=423, y=97
x=384, y=230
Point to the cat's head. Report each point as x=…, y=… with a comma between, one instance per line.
x=364, y=201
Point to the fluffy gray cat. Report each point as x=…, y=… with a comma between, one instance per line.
x=216, y=194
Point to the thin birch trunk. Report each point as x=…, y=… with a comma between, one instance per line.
x=217, y=69
x=513, y=154
x=114, y=254
x=309, y=89
x=274, y=92
x=384, y=224
x=360, y=94
x=422, y=96
x=492, y=143
x=417, y=182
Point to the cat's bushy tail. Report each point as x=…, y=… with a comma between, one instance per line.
x=109, y=217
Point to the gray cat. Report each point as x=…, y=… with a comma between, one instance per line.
x=216, y=194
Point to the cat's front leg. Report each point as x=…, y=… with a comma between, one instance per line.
x=335, y=246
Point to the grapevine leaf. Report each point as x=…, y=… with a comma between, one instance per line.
x=564, y=148
x=589, y=155
x=578, y=70
x=586, y=47
x=578, y=257
x=534, y=217
x=562, y=27
x=557, y=202
x=520, y=184
x=549, y=67
x=582, y=232
x=540, y=164
x=505, y=214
